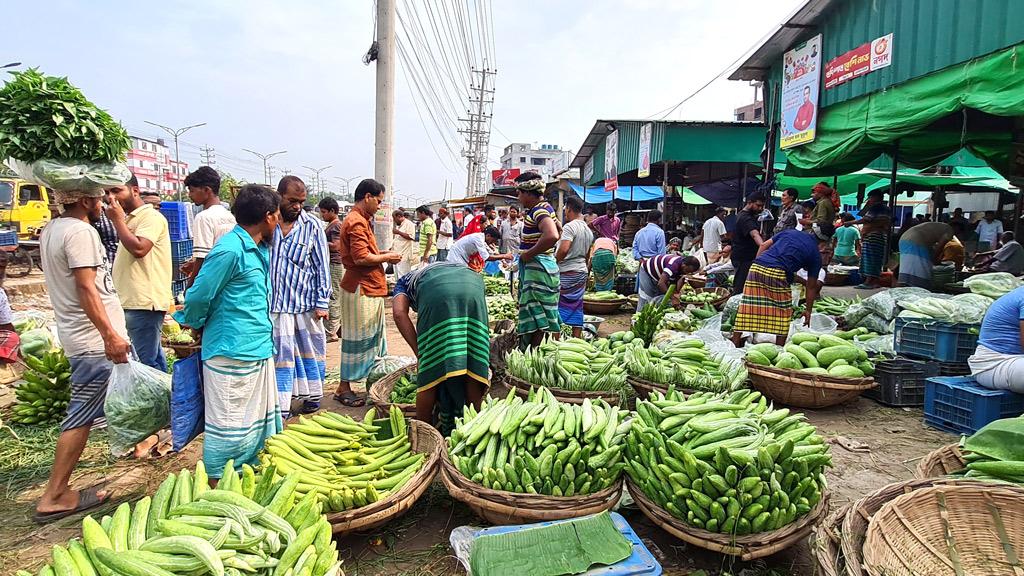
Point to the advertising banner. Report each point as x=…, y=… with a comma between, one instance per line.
x=611, y=162
x=867, y=57
x=801, y=78
x=588, y=170
x=643, y=162
x=504, y=178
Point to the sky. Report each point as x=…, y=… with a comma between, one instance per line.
x=274, y=75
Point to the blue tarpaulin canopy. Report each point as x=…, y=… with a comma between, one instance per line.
x=597, y=194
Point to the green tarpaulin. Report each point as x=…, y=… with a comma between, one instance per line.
x=872, y=179
x=852, y=134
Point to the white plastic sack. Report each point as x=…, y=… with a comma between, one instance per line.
x=385, y=365
x=711, y=331
x=880, y=345
x=820, y=324
x=71, y=175
x=972, y=307
x=138, y=404
x=992, y=284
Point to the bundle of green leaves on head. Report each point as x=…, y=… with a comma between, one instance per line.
x=56, y=137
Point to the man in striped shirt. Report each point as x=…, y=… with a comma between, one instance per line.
x=658, y=272
x=300, y=293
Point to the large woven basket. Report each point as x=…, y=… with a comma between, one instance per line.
x=941, y=462
x=804, y=390
x=380, y=393
x=747, y=547
x=182, y=350
x=500, y=507
x=644, y=388
x=855, y=524
x=721, y=296
x=522, y=389
x=697, y=281
x=602, y=307
x=425, y=439
x=969, y=529
x=826, y=544
x=505, y=340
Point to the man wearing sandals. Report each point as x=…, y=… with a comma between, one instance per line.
x=92, y=332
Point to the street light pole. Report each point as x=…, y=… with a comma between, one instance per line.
x=316, y=177
x=11, y=65
x=346, y=181
x=265, y=157
x=175, y=134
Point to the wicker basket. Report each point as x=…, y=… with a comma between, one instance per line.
x=425, y=439
x=643, y=388
x=380, y=393
x=804, y=390
x=722, y=296
x=182, y=350
x=825, y=543
x=697, y=282
x=836, y=279
x=522, y=388
x=745, y=548
x=602, y=307
x=948, y=530
x=941, y=462
x=506, y=340
x=855, y=524
x=500, y=507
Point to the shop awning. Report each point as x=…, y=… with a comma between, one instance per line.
x=852, y=134
x=597, y=194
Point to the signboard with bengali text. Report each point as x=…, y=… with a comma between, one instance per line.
x=643, y=161
x=867, y=57
x=611, y=162
x=504, y=178
x=801, y=80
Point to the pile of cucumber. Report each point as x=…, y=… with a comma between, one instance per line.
x=727, y=463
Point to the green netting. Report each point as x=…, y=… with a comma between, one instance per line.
x=567, y=547
x=852, y=134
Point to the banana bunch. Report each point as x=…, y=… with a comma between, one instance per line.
x=43, y=397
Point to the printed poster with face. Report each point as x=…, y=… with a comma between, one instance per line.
x=801, y=76
x=611, y=162
x=644, y=157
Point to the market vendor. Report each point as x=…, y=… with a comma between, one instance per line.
x=538, y=271
x=998, y=362
x=230, y=302
x=846, y=245
x=573, y=256
x=659, y=272
x=450, y=338
x=876, y=221
x=602, y=262
x=767, y=303
x=920, y=249
x=1009, y=257
x=476, y=244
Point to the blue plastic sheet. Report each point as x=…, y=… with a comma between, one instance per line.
x=188, y=414
x=598, y=195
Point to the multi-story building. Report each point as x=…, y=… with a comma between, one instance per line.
x=545, y=159
x=152, y=163
x=753, y=112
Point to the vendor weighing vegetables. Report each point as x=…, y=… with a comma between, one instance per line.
x=767, y=302
x=998, y=363
x=450, y=339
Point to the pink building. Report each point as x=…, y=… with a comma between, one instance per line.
x=153, y=164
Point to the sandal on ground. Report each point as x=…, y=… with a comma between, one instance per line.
x=88, y=498
x=350, y=399
x=863, y=287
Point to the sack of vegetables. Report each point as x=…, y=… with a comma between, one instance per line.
x=54, y=136
x=138, y=404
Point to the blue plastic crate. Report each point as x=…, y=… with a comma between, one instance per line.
x=8, y=237
x=960, y=405
x=181, y=250
x=640, y=563
x=178, y=287
x=940, y=341
x=177, y=219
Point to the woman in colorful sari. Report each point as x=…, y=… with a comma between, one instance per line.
x=602, y=262
x=876, y=225
x=229, y=302
x=538, y=271
x=450, y=339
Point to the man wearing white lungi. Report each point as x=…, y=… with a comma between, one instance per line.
x=300, y=293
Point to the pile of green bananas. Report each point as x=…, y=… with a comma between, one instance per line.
x=43, y=397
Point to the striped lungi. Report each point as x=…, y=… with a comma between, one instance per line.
x=300, y=360
x=452, y=338
x=240, y=398
x=915, y=265
x=767, y=303
x=873, y=250
x=603, y=264
x=89, y=375
x=570, y=297
x=538, y=295
x=362, y=334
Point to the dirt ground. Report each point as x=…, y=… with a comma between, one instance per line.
x=890, y=443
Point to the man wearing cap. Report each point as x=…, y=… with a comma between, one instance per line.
x=91, y=326
x=746, y=240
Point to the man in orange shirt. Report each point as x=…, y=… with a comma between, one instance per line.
x=363, y=292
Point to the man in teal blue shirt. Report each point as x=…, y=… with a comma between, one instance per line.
x=229, y=302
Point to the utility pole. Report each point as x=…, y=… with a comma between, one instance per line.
x=209, y=155
x=177, y=163
x=265, y=157
x=345, y=181
x=317, y=183
x=383, y=166
x=478, y=130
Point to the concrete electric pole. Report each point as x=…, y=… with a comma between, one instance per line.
x=383, y=168
x=209, y=155
x=478, y=131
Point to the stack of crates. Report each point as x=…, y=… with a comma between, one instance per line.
x=179, y=225
x=941, y=341
x=901, y=382
x=962, y=406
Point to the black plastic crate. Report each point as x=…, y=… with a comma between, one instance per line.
x=954, y=369
x=625, y=284
x=901, y=382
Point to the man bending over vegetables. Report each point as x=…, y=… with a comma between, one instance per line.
x=92, y=332
x=998, y=363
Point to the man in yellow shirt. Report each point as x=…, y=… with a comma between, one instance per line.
x=142, y=269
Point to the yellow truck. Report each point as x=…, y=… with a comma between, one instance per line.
x=24, y=206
